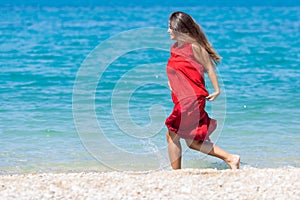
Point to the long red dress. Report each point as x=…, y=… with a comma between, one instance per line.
x=188, y=119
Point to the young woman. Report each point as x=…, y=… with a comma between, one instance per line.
x=191, y=56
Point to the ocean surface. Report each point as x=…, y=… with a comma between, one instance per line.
x=84, y=88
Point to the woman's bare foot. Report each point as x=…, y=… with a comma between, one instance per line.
x=234, y=161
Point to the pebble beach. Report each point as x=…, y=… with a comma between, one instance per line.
x=280, y=183
x=46, y=47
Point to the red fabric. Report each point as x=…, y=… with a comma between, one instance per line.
x=186, y=76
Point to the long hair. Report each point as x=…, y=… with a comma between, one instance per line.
x=186, y=28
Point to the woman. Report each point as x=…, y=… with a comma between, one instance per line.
x=191, y=56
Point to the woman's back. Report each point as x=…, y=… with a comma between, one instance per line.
x=185, y=74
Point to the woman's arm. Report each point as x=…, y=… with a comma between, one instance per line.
x=203, y=58
x=214, y=80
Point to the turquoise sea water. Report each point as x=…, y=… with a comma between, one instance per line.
x=42, y=50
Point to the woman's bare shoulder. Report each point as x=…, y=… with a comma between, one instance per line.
x=197, y=48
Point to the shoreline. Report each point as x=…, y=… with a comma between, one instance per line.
x=268, y=183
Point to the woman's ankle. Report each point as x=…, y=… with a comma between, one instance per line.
x=233, y=161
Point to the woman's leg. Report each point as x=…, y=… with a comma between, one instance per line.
x=211, y=149
x=174, y=149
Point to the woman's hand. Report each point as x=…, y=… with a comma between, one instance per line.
x=213, y=96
